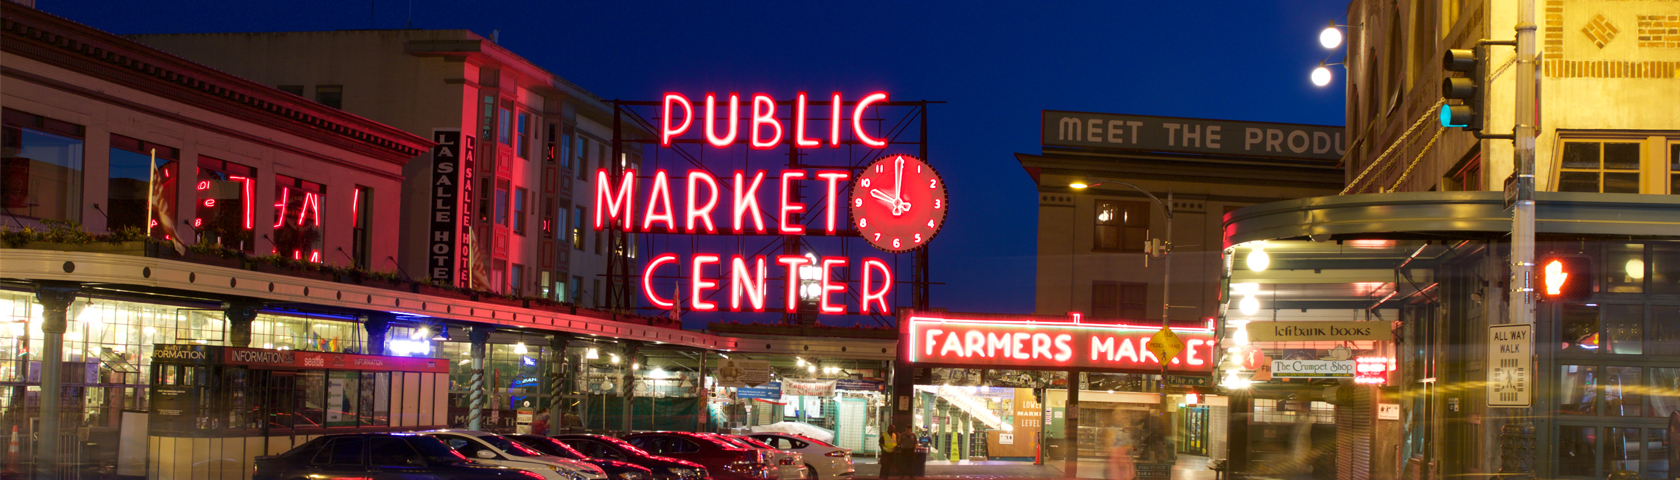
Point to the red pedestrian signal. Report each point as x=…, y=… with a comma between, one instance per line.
x=1565, y=278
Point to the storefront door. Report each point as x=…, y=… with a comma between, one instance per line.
x=1193, y=428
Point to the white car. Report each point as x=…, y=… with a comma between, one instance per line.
x=493, y=449
x=827, y=462
x=789, y=465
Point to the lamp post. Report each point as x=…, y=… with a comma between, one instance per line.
x=1166, y=275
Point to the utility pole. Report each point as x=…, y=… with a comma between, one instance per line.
x=1519, y=438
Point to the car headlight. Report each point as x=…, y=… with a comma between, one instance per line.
x=630, y=476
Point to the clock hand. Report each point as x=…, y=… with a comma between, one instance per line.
x=884, y=197
x=898, y=178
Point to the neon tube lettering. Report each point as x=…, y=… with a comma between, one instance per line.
x=768, y=116
x=704, y=213
x=932, y=336
x=711, y=120
x=647, y=281
x=659, y=204
x=1064, y=350
x=834, y=123
x=1127, y=351
x=311, y=203
x=857, y=120
x=280, y=207
x=828, y=286
x=608, y=205
x=1040, y=346
x=997, y=346
x=787, y=178
x=974, y=344
x=743, y=281
x=879, y=298
x=666, y=132
x=1018, y=344
x=793, y=262
x=1100, y=345
x=746, y=198
x=1190, y=351
x=834, y=179
x=952, y=345
x=698, y=285
x=799, y=139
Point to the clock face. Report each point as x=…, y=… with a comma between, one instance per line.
x=898, y=203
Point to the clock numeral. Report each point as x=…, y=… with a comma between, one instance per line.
x=895, y=243
x=865, y=183
x=880, y=168
x=932, y=182
x=863, y=222
x=918, y=238
x=918, y=169
x=936, y=203
x=877, y=236
x=930, y=224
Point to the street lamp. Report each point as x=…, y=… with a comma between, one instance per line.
x=1166, y=274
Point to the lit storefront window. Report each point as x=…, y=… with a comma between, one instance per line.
x=298, y=232
x=225, y=214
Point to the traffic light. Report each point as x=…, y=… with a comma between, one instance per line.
x=1565, y=278
x=1470, y=90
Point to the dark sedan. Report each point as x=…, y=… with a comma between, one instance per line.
x=611, y=448
x=616, y=469
x=378, y=456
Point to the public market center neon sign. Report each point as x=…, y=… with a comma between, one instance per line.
x=1033, y=343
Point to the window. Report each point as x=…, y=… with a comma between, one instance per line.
x=565, y=153
x=392, y=452
x=488, y=117
x=1577, y=449
x=498, y=276
x=599, y=241
x=1467, y=177
x=1674, y=169
x=1121, y=226
x=577, y=289
x=361, y=241
x=292, y=89
x=517, y=280
x=1599, y=167
x=343, y=396
x=311, y=394
x=543, y=289
x=330, y=95
x=1578, y=391
x=1664, y=391
x=1118, y=300
x=595, y=286
x=375, y=399
x=1622, y=387
x=577, y=228
x=342, y=451
x=41, y=172
x=522, y=139
x=226, y=212
x=519, y=195
x=501, y=202
x=133, y=179
x=594, y=449
x=503, y=134
x=583, y=158
x=298, y=232
x=551, y=218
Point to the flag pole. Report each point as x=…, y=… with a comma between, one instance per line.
x=151, y=193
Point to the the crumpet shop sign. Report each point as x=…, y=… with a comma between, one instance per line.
x=1313, y=368
x=1318, y=331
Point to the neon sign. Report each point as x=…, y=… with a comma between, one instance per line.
x=1370, y=370
x=1032, y=342
x=763, y=119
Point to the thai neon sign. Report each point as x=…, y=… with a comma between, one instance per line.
x=1031, y=342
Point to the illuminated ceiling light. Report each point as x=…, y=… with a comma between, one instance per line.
x=268, y=346
x=1245, y=288
x=464, y=362
x=811, y=369
x=1258, y=260
x=1331, y=37
x=636, y=365
x=801, y=361
x=614, y=358
x=1079, y=185
x=592, y=354
x=1249, y=305
x=1240, y=337
x=420, y=333
x=1636, y=269
x=519, y=348
x=1321, y=75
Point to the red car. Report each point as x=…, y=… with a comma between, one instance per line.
x=725, y=460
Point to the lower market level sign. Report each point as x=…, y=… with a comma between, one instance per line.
x=1032, y=342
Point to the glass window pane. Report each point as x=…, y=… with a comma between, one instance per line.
x=1621, y=392
x=1656, y=453
x=1577, y=450
x=342, y=395
x=1578, y=182
x=1621, y=450
x=347, y=450
x=1621, y=156
x=1578, y=390
x=224, y=217
x=311, y=398
x=1624, y=271
x=1665, y=331
x=392, y=452
x=1620, y=182
x=1665, y=268
x=41, y=175
x=298, y=230
x=1581, y=155
x=1580, y=328
x=1664, y=391
x=1624, y=328
x=131, y=181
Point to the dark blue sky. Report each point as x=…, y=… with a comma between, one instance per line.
x=996, y=63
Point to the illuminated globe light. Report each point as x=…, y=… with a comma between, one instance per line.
x=1240, y=337
x=1249, y=306
x=1321, y=76
x=1078, y=185
x=1331, y=37
x=1636, y=269
x=1258, y=260
x=592, y=354
x=519, y=348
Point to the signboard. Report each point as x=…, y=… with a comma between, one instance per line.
x=1164, y=344
x=770, y=391
x=1186, y=381
x=1191, y=135
x=293, y=360
x=1037, y=342
x=742, y=373
x=860, y=385
x=1511, y=358
x=445, y=206
x=1313, y=368
x=1319, y=331
x=1006, y=439
x=821, y=388
x=1388, y=411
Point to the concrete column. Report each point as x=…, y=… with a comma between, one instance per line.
x=704, y=411
x=631, y=349
x=378, y=325
x=479, y=336
x=239, y=316
x=55, y=299
x=557, y=381
x=1070, y=426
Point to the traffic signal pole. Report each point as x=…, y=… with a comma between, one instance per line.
x=1518, y=437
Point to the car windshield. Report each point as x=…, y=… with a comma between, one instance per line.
x=751, y=442
x=549, y=446
x=434, y=450
x=626, y=446
x=509, y=447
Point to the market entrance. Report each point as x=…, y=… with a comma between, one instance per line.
x=1053, y=390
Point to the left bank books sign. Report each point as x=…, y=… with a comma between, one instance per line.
x=1319, y=331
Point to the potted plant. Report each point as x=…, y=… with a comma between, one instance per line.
x=432, y=288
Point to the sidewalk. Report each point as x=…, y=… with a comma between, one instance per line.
x=1188, y=468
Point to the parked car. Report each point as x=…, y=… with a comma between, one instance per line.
x=378, y=456
x=826, y=462
x=498, y=450
x=790, y=465
x=612, y=448
x=724, y=459
x=616, y=469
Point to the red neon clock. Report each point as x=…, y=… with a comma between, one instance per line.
x=898, y=203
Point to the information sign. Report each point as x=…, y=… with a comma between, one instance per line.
x=1511, y=356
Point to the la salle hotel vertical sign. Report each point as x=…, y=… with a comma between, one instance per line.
x=451, y=192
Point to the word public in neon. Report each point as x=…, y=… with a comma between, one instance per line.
x=1035, y=342
x=721, y=123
